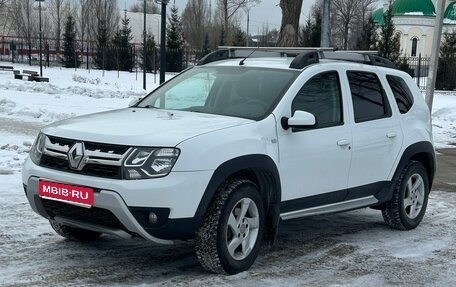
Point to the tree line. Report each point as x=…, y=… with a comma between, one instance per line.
x=76, y=25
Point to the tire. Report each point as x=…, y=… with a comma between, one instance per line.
x=73, y=233
x=408, y=205
x=230, y=236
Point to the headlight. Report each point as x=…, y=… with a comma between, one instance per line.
x=37, y=149
x=144, y=163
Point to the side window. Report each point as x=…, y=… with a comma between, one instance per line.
x=401, y=92
x=321, y=96
x=369, y=100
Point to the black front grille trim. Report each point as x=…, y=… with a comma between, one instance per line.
x=97, y=170
x=92, y=215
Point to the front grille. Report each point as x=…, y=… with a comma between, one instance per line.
x=92, y=215
x=100, y=160
x=98, y=170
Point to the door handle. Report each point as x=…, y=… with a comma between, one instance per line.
x=343, y=143
x=391, y=135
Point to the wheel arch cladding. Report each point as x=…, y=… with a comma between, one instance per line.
x=422, y=152
x=259, y=169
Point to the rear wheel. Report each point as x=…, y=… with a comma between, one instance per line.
x=73, y=233
x=230, y=236
x=410, y=197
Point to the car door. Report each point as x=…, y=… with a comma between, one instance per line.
x=377, y=135
x=316, y=161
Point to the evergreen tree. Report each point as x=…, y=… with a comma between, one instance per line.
x=239, y=36
x=311, y=32
x=70, y=58
x=446, y=73
x=389, y=44
x=206, y=46
x=368, y=38
x=123, y=50
x=174, y=42
x=222, y=37
x=103, y=56
x=151, y=47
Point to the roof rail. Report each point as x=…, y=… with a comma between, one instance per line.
x=303, y=57
x=232, y=52
x=364, y=57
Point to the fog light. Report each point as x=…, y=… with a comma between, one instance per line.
x=153, y=218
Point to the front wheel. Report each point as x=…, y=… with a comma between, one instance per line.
x=410, y=197
x=230, y=236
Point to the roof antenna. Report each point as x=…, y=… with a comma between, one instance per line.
x=241, y=63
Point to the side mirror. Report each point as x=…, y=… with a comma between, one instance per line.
x=300, y=119
x=134, y=102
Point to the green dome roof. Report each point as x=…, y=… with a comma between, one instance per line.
x=450, y=12
x=377, y=16
x=413, y=7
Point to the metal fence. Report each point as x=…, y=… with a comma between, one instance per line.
x=20, y=51
x=418, y=68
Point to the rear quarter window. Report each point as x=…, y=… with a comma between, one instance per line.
x=401, y=92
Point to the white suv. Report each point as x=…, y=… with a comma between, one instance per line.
x=226, y=149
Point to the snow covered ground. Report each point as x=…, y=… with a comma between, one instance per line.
x=354, y=248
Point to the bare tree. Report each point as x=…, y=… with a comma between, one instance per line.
x=151, y=8
x=103, y=11
x=348, y=17
x=83, y=20
x=5, y=17
x=2, y=4
x=24, y=21
x=228, y=9
x=289, y=29
x=195, y=21
x=56, y=8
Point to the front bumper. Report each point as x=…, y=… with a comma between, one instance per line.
x=125, y=203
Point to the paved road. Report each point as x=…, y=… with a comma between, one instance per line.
x=445, y=178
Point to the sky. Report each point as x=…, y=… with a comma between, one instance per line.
x=267, y=12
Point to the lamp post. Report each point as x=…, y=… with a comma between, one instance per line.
x=247, y=10
x=144, y=47
x=163, y=39
x=41, y=38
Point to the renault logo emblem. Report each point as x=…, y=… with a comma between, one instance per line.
x=76, y=156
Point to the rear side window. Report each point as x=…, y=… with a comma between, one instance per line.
x=369, y=100
x=401, y=92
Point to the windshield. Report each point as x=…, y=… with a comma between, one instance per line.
x=232, y=91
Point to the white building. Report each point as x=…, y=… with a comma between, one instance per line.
x=415, y=21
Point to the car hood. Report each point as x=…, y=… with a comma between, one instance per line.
x=140, y=126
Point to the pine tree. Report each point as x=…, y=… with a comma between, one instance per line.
x=368, y=38
x=103, y=59
x=446, y=73
x=311, y=32
x=239, y=36
x=174, y=42
x=389, y=44
x=222, y=37
x=123, y=54
x=70, y=59
x=151, y=47
x=206, y=46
